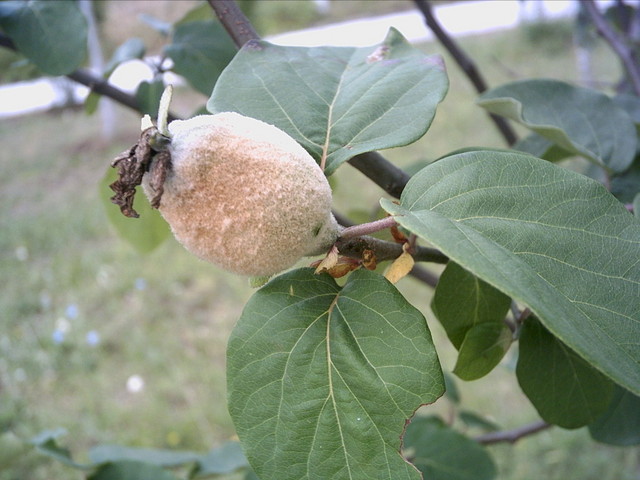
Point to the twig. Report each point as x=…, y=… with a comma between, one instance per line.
x=384, y=250
x=512, y=436
x=234, y=21
x=367, y=228
x=94, y=82
x=616, y=43
x=467, y=65
x=425, y=276
x=381, y=172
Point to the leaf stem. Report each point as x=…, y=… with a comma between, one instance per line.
x=367, y=228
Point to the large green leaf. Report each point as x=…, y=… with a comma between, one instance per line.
x=46, y=443
x=462, y=301
x=472, y=313
x=131, y=470
x=322, y=379
x=200, y=51
x=336, y=102
x=546, y=236
x=620, y=423
x=580, y=120
x=441, y=453
x=483, y=347
x=148, y=96
x=131, y=49
x=630, y=104
x=565, y=389
x=627, y=185
x=53, y=35
x=540, y=147
x=225, y=459
x=154, y=456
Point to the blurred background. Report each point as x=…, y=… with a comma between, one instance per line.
x=117, y=345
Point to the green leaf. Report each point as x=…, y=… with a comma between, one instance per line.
x=472, y=313
x=627, y=185
x=336, y=102
x=91, y=103
x=200, y=51
x=131, y=470
x=225, y=459
x=160, y=26
x=630, y=104
x=441, y=453
x=473, y=419
x=144, y=233
x=462, y=301
x=580, y=120
x=546, y=236
x=53, y=35
x=451, y=388
x=154, y=456
x=483, y=347
x=565, y=389
x=132, y=49
x=202, y=11
x=45, y=443
x=620, y=423
x=636, y=205
x=148, y=96
x=540, y=147
x=322, y=379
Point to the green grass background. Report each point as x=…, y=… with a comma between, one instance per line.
x=166, y=316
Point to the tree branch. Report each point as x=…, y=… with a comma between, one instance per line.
x=467, y=65
x=234, y=21
x=95, y=83
x=616, y=43
x=512, y=436
x=354, y=247
x=381, y=172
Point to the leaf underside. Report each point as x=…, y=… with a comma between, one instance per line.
x=579, y=120
x=322, y=379
x=548, y=237
x=565, y=389
x=337, y=102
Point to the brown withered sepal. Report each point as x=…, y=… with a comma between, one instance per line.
x=132, y=164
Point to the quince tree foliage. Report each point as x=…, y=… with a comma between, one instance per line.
x=329, y=364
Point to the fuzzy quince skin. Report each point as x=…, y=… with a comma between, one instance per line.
x=244, y=195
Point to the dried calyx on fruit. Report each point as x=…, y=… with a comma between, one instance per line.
x=236, y=191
